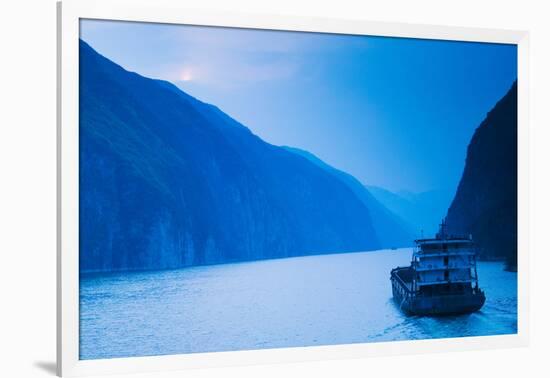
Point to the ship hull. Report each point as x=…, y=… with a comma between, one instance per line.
x=434, y=305
x=441, y=305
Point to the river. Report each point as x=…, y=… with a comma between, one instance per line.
x=302, y=301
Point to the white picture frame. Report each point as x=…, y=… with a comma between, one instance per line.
x=69, y=14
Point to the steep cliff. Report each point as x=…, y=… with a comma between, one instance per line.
x=168, y=181
x=485, y=204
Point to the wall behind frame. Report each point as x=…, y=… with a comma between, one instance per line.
x=27, y=192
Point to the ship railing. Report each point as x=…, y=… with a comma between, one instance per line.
x=450, y=252
x=443, y=281
x=453, y=239
x=406, y=290
x=429, y=267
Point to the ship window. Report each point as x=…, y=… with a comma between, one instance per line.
x=446, y=275
x=446, y=260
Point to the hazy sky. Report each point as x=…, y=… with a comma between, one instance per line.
x=396, y=113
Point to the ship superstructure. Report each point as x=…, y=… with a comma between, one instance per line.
x=442, y=278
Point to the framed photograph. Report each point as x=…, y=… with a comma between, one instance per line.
x=239, y=188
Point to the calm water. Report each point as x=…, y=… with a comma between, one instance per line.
x=304, y=301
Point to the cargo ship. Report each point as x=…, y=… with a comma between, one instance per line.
x=442, y=278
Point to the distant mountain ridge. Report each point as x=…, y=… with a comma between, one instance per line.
x=485, y=204
x=391, y=230
x=168, y=181
x=423, y=211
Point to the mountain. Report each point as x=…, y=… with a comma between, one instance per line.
x=423, y=211
x=485, y=204
x=168, y=181
x=391, y=230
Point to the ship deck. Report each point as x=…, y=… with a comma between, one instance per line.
x=404, y=276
